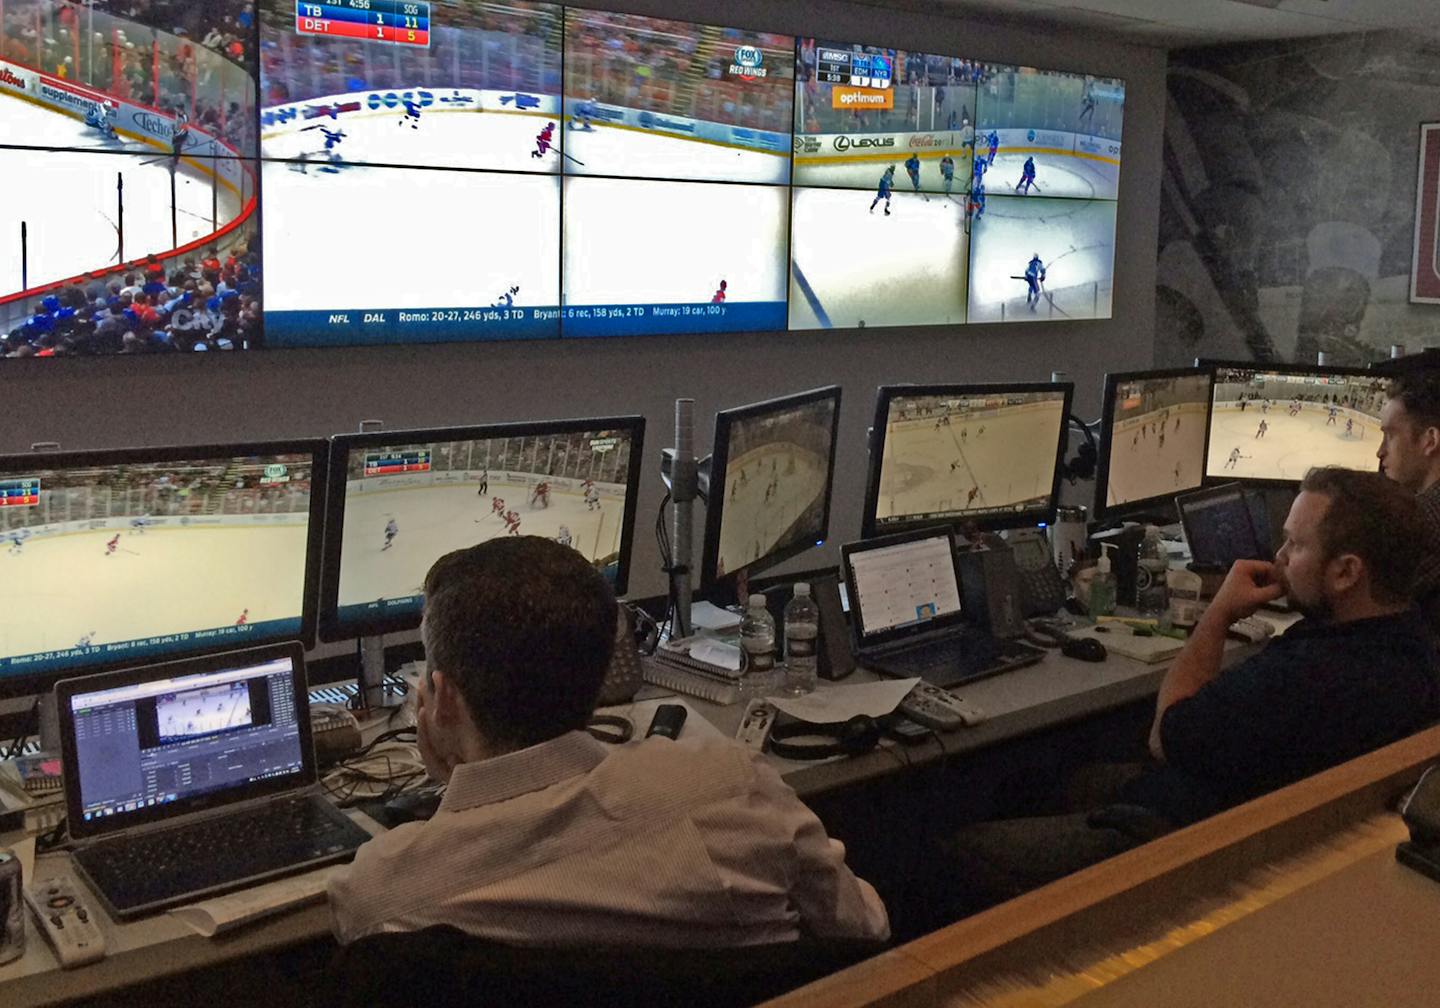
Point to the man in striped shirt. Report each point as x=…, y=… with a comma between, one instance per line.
x=547, y=836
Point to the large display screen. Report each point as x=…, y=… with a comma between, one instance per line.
x=405, y=501
x=345, y=172
x=141, y=556
x=1276, y=423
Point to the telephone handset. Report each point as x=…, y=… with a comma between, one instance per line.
x=1042, y=589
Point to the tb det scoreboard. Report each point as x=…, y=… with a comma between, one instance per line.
x=403, y=22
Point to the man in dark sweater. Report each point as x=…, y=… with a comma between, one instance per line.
x=1358, y=672
x=1409, y=454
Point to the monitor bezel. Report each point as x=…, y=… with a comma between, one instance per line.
x=1305, y=369
x=710, y=579
x=1104, y=512
x=27, y=684
x=869, y=526
x=331, y=627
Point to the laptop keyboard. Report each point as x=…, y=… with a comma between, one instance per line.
x=169, y=866
x=950, y=661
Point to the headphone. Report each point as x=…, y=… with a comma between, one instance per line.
x=846, y=738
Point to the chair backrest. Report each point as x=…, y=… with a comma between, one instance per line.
x=441, y=966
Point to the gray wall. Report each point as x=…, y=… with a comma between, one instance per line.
x=156, y=400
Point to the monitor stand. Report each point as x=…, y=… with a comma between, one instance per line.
x=47, y=714
x=374, y=694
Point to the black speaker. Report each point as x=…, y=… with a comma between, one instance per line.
x=836, y=659
x=990, y=587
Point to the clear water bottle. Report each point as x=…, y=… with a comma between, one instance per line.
x=757, y=647
x=802, y=639
x=1152, y=595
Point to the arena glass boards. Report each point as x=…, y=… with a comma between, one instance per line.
x=1152, y=438
x=129, y=555
x=987, y=455
x=771, y=474
x=403, y=499
x=1276, y=421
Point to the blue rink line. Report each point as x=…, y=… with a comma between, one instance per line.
x=811, y=298
x=146, y=648
x=585, y=321
x=348, y=327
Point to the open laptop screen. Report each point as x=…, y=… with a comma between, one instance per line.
x=904, y=586
x=152, y=745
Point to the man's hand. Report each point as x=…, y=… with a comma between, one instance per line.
x=1249, y=585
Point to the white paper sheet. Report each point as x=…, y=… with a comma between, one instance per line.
x=841, y=703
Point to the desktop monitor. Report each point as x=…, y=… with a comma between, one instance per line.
x=1276, y=421
x=1152, y=439
x=771, y=474
x=987, y=455
x=120, y=557
x=400, y=500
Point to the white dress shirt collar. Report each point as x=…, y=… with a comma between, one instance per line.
x=533, y=768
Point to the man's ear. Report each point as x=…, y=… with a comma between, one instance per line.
x=1345, y=572
x=444, y=698
x=1430, y=441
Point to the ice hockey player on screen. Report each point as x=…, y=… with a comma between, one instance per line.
x=412, y=113
x=564, y=538
x=544, y=140
x=592, y=498
x=244, y=617
x=17, y=540
x=719, y=296
x=1034, y=277
x=883, y=191
x=1334, y=411
x=1027, y=177
x=947, y=172
x=97, y=117
x=391, y=529
x=540, y=496
x=512, y=523
x=993, y=142
x=506, y=298
x=1087, y=105
x=180, y=137
x=1235, y=456
x=976, y=208
x=584, y=112
x=1260, y=431
x=979, y=169
x=912, y=168
x=112, y=545
x=484, y=486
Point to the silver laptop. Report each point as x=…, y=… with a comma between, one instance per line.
x=193, y=777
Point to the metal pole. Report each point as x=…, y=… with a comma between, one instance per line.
x=120, y=215
x=24, y=258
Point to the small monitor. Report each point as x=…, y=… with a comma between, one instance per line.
x=1152, y=439
x=1219, y=527
x=400, y=500
x=771, y=475
x=903, y=585
x=1276, y=421
x=987, y=455
x=119, y=557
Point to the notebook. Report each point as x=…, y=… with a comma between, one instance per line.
x=907, y=617
x=194, y=777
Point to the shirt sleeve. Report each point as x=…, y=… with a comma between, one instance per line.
x=831, y=900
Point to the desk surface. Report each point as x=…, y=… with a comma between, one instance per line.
x=1058, y=690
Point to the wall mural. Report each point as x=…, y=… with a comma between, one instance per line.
x=1288, y=206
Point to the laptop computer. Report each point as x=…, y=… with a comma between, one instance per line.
x=190, y=778
x=907, y=615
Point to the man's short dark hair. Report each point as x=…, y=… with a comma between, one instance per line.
x=525, y=626
x=1376, y=519
x=1419, y=392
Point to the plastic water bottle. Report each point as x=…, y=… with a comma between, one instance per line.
x=1152, y=595
x=802, y=638
x=757, y=646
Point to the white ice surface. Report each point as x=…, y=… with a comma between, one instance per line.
x=609, y=150
x=1291, y=445
x=434, y=520
x=1075, y=240
x=1013, y=461
x=200, y=712
x=1141, y=468
x=866, y=268
x=162, y=581
x=408, y=238
x=640, y=242
x=1055, y=174
x=750, y=525
x=68, y=201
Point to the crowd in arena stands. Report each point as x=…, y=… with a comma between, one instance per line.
x=226, y=26
x=206, y=303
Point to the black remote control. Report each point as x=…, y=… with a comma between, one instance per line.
x=669, y=719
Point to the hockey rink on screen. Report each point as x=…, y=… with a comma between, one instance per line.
x=434, y=520
x=1011, y=463
x=866, y=174
x=752, y=525
x=69, y=203
x=615, y=150
x=646, y=242
x=1290, y=445
x=395, y=238
x=851, y=267
x=162, y=581
x=1056, y=174
x=1143, y=465
x=442, y=138
x=1075, y=239
x=203, y=711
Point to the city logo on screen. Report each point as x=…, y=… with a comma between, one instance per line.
x=843, y=142
x=748, y=60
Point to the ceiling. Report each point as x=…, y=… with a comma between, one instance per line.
x=1174, y=23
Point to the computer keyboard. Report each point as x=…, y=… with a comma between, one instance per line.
x=163, y=867
x=950, y=661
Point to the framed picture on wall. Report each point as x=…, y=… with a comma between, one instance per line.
x=1425, y=271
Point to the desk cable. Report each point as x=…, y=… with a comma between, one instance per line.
x=384, y=768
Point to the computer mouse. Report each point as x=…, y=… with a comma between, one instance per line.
x=1084, y=648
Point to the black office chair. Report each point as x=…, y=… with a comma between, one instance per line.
x=442, y=966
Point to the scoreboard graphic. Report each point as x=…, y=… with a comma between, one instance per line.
x=388, y=463
x=400, y=22
x=835, y=65
x=23, y=492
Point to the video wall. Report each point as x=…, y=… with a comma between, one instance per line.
x=234, y=175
